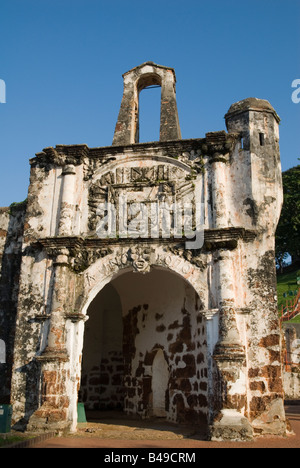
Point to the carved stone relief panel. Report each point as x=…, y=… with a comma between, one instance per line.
x=135, y=193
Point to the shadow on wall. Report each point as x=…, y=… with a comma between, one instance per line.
x=11, y=232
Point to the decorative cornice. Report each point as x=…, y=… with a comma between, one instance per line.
x=53, y=355
x=227, y=238
x=210, y=236
x=76, y=317
x=73, y=246
x=214, y=145
x=79, y=253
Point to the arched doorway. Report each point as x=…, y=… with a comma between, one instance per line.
x=145, y=348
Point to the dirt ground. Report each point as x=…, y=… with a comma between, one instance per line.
x=114, y=430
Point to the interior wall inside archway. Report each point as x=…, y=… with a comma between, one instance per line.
x=130, y=318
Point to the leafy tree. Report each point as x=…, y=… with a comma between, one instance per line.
x=288, y=229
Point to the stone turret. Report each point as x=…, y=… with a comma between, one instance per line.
x=258, y=125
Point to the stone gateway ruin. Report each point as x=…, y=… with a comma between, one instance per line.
x=141, y=276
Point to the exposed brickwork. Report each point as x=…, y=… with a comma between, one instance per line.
x=187, y=366
x=103, y=387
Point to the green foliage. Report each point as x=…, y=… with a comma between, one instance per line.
x=295, y=319
x=288, y=229
x=13, y=438
x=15, y=206
x=287, y=282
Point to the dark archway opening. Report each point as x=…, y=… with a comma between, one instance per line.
x=102, y=359
x=145, y=349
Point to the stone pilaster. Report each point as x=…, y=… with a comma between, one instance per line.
x=56, y=336
x=220, y=210
x=229, y=355
x=53, y=412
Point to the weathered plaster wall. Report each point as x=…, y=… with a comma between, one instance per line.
x=215, y=322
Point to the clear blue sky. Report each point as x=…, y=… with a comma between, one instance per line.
x=63, y=60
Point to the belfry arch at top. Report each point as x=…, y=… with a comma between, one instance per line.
x=135, y=80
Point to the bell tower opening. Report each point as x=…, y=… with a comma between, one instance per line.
x=149, y=114
x=144, y=76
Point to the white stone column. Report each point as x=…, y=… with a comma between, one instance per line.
x=219, y=193
x=212, y=329
x=65, y=227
